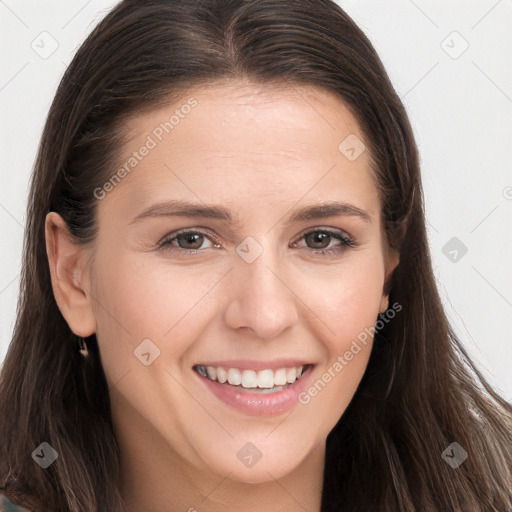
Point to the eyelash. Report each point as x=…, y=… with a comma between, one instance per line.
x=346, y=242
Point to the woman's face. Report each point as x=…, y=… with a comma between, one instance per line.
x=260, y=284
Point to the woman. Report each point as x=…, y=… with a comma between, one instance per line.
x=227, y=296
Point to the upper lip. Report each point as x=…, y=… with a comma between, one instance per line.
x=245, y=364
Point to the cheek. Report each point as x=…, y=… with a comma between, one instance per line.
x=345, y=297
x=138, y=299
x=350, y=313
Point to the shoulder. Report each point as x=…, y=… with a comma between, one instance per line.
x=6, y=505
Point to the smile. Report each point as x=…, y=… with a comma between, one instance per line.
x=256, y=391
x=263, y=381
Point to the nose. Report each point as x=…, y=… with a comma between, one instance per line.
x=260, y=298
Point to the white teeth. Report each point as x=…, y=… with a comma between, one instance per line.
x=266, y=379
x=280, y=377
x=250, y=379
x=234, y=377
x=222, y=375
x=291, y=375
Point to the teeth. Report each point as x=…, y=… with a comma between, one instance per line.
x=202, y=370
x=222, y=375
x=250, y=379
x=234, y=377
x=291, y=375
x=266, y=379
x=280, y=377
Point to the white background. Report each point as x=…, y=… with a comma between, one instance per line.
x=460, y=105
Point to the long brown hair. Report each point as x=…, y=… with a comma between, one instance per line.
x=420, y=392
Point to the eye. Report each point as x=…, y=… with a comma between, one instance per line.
x=187, y=241
x=321, y=240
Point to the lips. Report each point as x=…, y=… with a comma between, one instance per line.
x=255, y=388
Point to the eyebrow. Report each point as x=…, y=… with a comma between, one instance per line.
x=178, y=208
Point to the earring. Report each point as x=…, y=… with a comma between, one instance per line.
x=83, y=348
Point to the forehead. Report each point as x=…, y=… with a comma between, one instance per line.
x=265, y=108
x=247, y=142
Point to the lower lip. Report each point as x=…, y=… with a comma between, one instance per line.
x=257, y=404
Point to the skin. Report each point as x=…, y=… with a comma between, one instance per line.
x=261, y=152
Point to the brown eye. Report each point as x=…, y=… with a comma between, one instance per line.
x=321, y=240
x=187, y=241
x=190, y=241
x=318, y=239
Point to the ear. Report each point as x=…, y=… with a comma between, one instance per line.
x=69, y=276
x=392, y=261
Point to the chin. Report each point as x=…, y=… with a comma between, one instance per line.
x=259, y=461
